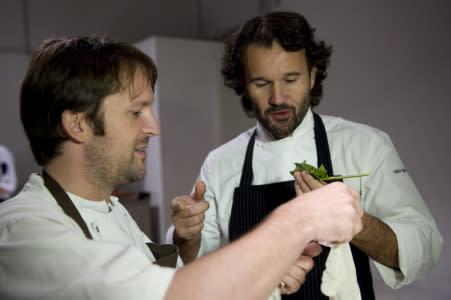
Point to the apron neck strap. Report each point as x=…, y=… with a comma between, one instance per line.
x=65, y=202
x=322, y=145
x=247, y=175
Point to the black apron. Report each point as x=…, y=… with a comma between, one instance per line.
x=251, y=203
x=165, y=255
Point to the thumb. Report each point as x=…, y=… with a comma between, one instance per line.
x=199, y=191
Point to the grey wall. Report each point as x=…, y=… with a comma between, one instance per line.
x=390, y=68
x=188, y=110
x=26, y=23
x=13, y=68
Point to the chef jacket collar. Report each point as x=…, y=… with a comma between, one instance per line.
x=99, y=206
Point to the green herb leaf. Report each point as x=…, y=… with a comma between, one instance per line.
x=319, y=173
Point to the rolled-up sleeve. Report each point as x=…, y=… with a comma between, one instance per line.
x=391, y=196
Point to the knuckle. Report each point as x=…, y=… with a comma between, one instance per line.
x=200, y=218
x=200, y=226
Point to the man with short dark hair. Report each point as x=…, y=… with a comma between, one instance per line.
x=278, y=67
x=86, y=107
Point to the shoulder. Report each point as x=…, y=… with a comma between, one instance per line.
x=231, y=148
x=32, y=201
x=357, y=147
x=352, y=132
x=229, y=157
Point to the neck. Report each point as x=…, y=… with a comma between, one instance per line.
x=71, y=177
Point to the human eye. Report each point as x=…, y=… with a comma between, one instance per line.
x=291, y=79
x=260, y=83
x=136, y=113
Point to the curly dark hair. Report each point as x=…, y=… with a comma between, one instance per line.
x=292, y=31
x=76, y=74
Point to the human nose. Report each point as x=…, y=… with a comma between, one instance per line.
x=277, y=95
x=151, y=127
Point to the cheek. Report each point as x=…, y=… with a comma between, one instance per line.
x=260, y=105
x=259, y=97
x=122, y=142
x=299, y=92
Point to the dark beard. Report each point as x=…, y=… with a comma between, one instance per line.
x=281, y=129
x=103, y=170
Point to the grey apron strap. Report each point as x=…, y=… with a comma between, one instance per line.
x=165, y=255
x=64, y=201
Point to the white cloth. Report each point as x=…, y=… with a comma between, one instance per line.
x=275, y=295
x=388, y=193
x=8, y=178
x=45, y=255
x=339, y=279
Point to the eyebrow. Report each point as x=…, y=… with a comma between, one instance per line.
x=135, y=98
x=145, y=102
x=293, y=74
x=140, y=103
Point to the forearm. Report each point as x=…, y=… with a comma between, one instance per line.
x=378, y=241
x=240, y=270
x=188, y=249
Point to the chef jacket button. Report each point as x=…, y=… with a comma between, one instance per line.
x=96, y=228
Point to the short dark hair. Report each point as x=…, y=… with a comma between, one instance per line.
x=75, y=73
x=293, y=33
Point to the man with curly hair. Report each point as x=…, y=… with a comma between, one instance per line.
x=277, y=67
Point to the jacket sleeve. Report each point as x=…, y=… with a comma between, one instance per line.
x=390, y=195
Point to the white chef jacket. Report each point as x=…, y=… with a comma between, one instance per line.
x=8, y=178
x=44, y=254
x=388, y=193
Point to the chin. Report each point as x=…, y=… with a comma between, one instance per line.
x=134, y=176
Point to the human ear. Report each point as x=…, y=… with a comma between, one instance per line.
x=74, y=125
x=313, y=77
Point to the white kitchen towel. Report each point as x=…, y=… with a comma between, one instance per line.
x=339, y=280
x=275, y=295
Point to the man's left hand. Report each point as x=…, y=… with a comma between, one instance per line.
x=295, y=276
x=305, y=183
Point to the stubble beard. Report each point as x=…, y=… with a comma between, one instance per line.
x=280, y=129
x=107, y=172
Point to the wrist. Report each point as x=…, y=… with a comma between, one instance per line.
x=294, y=224
x=178, y=240
x=364, y=234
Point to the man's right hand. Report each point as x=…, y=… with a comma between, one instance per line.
x=188, y=214
x=335, y=214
